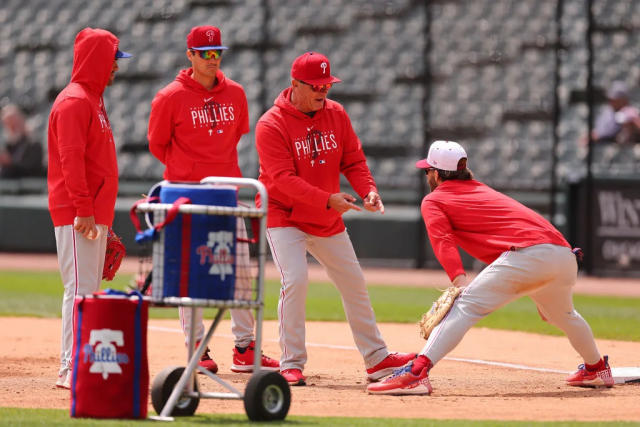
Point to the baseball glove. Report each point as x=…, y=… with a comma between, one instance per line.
x=113, y=255
x=438, y=310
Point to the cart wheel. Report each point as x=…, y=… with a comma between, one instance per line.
x=162, y=387
x=267, y=396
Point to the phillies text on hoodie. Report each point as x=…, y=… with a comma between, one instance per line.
x=301, y=159
x=194, y=131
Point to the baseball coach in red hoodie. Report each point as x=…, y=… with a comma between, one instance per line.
x=83, y=175
x=305, y=141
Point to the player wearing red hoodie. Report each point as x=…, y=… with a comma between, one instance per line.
x=195, y=125
x=83, y=175
x=305, y=141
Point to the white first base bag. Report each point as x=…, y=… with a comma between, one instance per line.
x=110, y=376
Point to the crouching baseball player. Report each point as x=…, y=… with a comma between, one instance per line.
x=526, y=256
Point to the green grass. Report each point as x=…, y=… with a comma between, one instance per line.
x=60, y=417
x=40, y=293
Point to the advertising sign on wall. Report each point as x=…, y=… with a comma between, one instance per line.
x=614, y=233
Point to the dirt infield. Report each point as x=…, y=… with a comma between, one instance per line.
x=336, y=383
x=476, y=388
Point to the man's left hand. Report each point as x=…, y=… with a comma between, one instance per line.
x=373, y=202
x=460, y=281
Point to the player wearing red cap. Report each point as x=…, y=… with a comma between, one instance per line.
x=305, y=141
x=194, y=128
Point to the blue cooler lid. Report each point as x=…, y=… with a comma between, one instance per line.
x=200, y=194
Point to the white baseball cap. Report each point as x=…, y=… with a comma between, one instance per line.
x=443, y=155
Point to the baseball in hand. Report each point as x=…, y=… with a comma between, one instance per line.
x=93, y=234
x=87, y=229
x=373, y=202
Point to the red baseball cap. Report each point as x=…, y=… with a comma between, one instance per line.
x=204, y=37
x=313, y=68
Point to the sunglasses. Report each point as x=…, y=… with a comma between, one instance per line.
x=208, y=54
x=318, y=88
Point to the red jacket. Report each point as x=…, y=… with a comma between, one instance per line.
x=301, y=159
x=83, y=169
x=194, y=132
x=482, y=221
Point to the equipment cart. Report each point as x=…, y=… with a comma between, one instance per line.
x=175, y=391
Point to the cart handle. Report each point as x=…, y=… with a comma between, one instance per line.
x=150, y=233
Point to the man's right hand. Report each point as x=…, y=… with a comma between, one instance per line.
x=342, y=202
x=86, y=225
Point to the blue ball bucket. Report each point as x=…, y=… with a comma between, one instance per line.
x=199, y=250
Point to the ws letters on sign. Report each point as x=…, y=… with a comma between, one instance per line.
x=617, y=233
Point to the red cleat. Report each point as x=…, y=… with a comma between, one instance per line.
x=207, y=362
x=403, y=381
x=389, y=364
x=584, y=378
x=294, y=376
x=243, y=362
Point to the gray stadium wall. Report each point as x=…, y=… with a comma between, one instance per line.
x=391, y=239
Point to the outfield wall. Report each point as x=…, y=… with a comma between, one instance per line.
x=397, y=238
x=392, y=239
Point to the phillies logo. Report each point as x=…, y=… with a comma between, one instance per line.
x=210, y=35
x=218, y=253
x=102, y=354
x=324, y=66
x=104, y=123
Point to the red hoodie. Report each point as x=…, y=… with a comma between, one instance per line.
x=482, y=221
x=195, y=131
x=83, y=169
x=301, y=159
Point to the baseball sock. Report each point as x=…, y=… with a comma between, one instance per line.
x=420, y=363
x=596, y=366
x=241, y=350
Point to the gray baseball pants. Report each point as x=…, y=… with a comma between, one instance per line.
x=81, y=262
x=546, y=273
x=289, y=247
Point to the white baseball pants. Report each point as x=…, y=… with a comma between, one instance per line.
x=289, y=247
x=81, y=262
x=242, y=321
x=546, y=273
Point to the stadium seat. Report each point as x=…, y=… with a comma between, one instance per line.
x=486, y=57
